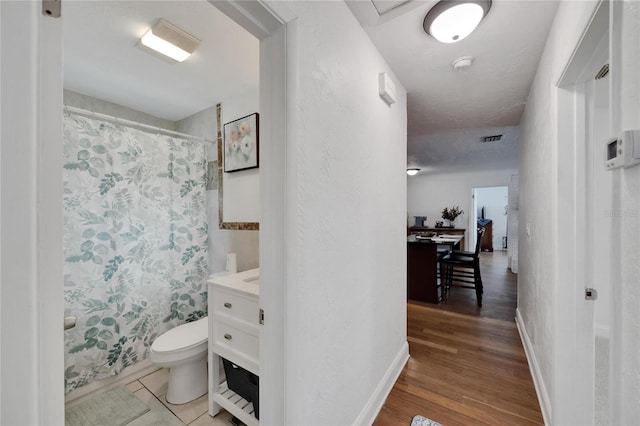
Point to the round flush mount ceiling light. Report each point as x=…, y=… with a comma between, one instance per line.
x=450, y=21
x=412, y=172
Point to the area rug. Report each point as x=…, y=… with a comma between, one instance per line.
x=117, y=407
x=423, y=421
x=156, y=417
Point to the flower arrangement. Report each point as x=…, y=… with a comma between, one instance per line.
x=452, y=213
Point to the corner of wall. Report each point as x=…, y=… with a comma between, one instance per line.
x=373, y=406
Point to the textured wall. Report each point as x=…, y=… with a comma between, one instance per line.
x=625, y=291
x=346, y=296
x=539, y=192
x=542, y=298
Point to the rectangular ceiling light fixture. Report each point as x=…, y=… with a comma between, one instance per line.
x=169, y=40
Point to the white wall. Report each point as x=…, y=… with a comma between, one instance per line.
x=241, y=188
x=345, y=319
x=222, y=241
x=539, y=305
x=625, y=291
x=538, y=177
x=428, y=194
x=495, y=201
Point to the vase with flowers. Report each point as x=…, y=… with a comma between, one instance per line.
x=450, y=214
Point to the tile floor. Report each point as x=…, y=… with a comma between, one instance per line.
x=152, y=390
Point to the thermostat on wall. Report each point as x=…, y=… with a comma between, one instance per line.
x=623, y=150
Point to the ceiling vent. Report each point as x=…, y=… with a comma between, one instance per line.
x=492, y=138
x=603, y=72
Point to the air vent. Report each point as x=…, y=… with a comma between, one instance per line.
x=492, y=138
x=603, y=72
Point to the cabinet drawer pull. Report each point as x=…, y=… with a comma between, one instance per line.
x=227, y=305
x=228, y=336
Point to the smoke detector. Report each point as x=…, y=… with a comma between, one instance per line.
x=462, y=63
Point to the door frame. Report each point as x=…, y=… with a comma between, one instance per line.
x=275, y=26
x=31, y=302
x=473, y=216
x=32, y=390
x=574, y=364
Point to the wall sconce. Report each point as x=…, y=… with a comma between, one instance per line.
x=412, y=172
x=450, y=21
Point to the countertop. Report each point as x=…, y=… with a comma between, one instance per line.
x=246, y=282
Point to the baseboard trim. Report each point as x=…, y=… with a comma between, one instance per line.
x=538, y=382
x=128, y=375
x=374, y=404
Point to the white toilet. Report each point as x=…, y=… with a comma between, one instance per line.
x=183, y=350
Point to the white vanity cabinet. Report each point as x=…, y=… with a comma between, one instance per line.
x=234, y=333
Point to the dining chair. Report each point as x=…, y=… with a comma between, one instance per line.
x=462, y=269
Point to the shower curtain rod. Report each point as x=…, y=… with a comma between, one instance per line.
x=129, y=123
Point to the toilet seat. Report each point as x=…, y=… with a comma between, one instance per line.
x=182, y=337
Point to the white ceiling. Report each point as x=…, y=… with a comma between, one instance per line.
x=486, y=99
x=101, y=58
x=448, y=111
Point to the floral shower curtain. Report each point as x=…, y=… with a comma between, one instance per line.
x=135, y=243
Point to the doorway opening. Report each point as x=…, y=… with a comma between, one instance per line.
x=584, y=235
x=490, y=211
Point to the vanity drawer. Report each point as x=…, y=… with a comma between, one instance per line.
x=239, y=307
x=234, y=339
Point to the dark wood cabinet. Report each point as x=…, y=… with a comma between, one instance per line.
x=422, y=272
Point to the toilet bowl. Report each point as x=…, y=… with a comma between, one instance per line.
x=183, y=350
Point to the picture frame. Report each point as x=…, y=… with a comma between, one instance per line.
x=241, y=143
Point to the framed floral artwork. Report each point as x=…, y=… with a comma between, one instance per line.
x=241, y=138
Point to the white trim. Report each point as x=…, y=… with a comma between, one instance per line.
x=601, y=331
x=1, y=375
x=128, y=375
x=49, y=250
x=32, y=281
x=374, y=404
x=538, y=381
x=270, y=21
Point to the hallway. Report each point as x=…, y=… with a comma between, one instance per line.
x=463, y=370
x=467, y=364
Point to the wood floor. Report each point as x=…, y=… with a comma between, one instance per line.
x=500, y=291
x=466, y=367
